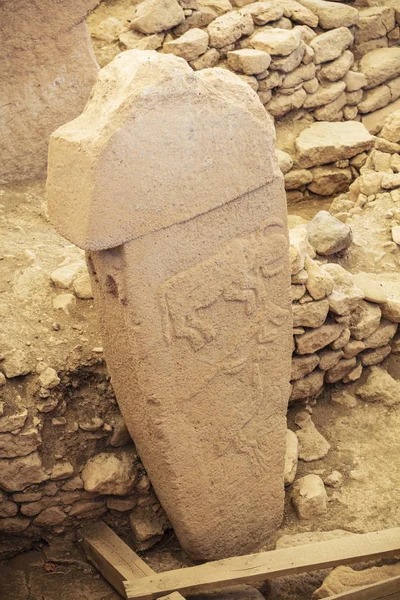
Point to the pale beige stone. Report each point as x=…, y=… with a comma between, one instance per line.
x=311, y=385
x=153, y=16
x=332, y=14
x=329, y=358
x=323, y=143
x=342, y=368
x=34, y=100
x=303, y=365
x=379, y=387
x=16, y=474
x=324, y=94
x=249, y=61
x=189, y=46
x=263, y=12
x=298, y=238
x=353, y=348
x=354, y=81
x=345, y=579
x=309, y=497
x=299, y=75
x=374, y=22
x=192, y=294
x=285, y=161
x=319, y=283
x=287, y=64
x=382, y=334
x=311, y=314
x=337, y=69
x=134, y=40
x=328, y=180
x=110, y=473
x=297, y=178
x=391, y=129
x=312, y=444
x=276, y=41
x=375, y=356
x=207, y=60
x=230, y=27
x=374, y=291
x=365, y=320
x=316, y=339
x=296, y=12
x=330, y=45
x=380, y=65
x=328, y=235
x=291, y=457
x=332, y=111
x=374, y=99
x=281, y=104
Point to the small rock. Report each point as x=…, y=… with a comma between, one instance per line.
x=63, y=276
x=365, y=319
x=285, y=161
x=50, y=517
x=189, y=46
x=346, y=296
x=316, y=339
x=344, y=398
x=230, y=27
x=309, y=386
x=327, y=235
x=62, y=470
x=82, y=287
x=379, y=387
x=16, y=474
x=276, y=41
x=147, y=526
x=49, y=378
x=64, y=302
x=110, y=473
x=249, y=61
x=121, y=504
x=16, y=363
x=312, y=444
x=344, y=579
x=303, y=365
x=291, y=457
x=373, y=290
x=382, y=334
x=153, y=16
x=309, y=497
x=334, y=479
x=312, y=314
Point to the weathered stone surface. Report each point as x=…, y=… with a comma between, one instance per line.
x=35, y=101
x=16, y=363
x=342, y=368
x=22, y=444
x=287, y=64
x=189, y=46
x=310, y=537
x=327, y=235
x=17, y=473
x=296, y=12
x=332, y=111
x=374, y=22
x=345, y=579
x=330, y=45
x=291, y=457
x=328, y=180
x=310, y=314
x=382, y=334
x=309, y=386
x=364, y=320
x=379, y=387
x=230, y=27
x=285, y=161
x=303, y=365
x=316, y=339
x=380, y=65
x=374, y=99
x=391, y=128
x=332, y=14
x=180, y=265
x=297, y=178
x=324, y=95
x=276, y=41
x=147, y=526
x=298, y=238
x=110, y=473
x=328, y=142
x=299, y=75
x=263, y=12
x=281, y=104
x=374, y=291
x=354, y=81
x=249, y=61
x=309, y=497
x=337, y=69
x=312, y=444
x=153, y=16
x=375, y=356
x=329, y=358
x=319, y=283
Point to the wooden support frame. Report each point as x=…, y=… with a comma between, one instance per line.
x=388, y=589
x=135, y=580
x=267, y=565
x=113, y=558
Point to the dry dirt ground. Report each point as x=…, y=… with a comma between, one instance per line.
x=365, y=440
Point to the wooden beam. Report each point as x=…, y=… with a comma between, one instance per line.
x=267, y=565
x=388, y=589
x=113, y=558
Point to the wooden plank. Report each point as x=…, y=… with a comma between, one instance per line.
x=113, y=558
x=388, y=589
x=267, y=565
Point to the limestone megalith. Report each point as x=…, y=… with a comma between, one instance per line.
x=47, y=70
x=169, y=181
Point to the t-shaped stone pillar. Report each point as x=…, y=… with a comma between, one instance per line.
x=169, y=180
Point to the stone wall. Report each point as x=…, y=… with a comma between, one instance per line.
x=310, y=60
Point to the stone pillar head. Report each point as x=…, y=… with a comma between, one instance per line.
x=157, y=144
